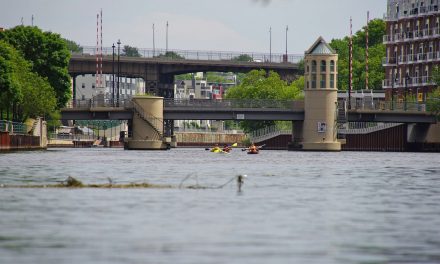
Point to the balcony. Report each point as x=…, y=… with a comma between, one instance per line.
x=428, y=33
x=411, y=82
x=391, y=61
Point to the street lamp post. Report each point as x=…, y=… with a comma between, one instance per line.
x=113, y=75
x=119, y=73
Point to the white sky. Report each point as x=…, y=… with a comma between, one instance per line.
x=226, y=25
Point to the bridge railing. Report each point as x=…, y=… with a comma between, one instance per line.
x=234, y=103
x=92, y=103
x=176, y=54
x=388, y=105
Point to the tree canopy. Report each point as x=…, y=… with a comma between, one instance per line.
x=376, y=30
x=48, y=56
x=72, y=46
x=171, y=55
x=258, y=84
x=130, y=51
x=21, y=88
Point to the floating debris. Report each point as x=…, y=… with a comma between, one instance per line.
x=73, y=183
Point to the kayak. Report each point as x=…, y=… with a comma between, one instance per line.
x=252, y=152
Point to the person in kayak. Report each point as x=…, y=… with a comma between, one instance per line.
x=226, y=148
x=253, y=148
x=216, y=148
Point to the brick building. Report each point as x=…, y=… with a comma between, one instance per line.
x=412, y=47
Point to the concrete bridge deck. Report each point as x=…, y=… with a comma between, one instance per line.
x=243, y=110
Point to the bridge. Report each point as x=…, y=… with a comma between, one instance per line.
x=257, y=110
x=157, y=67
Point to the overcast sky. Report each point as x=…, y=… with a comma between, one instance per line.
x=223, y=25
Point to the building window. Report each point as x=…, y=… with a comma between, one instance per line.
x=83, y=85
x=332, y=66
x=323, y=66
x=313, y=81
x=332, y=81
x=83, y=97
x=314, y=66
x=323, y=81
x=93, y=86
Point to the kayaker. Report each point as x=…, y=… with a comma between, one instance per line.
x=253, y=148
x=226, y=148
x=216, y=148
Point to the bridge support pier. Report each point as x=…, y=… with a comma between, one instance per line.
x=147, y=125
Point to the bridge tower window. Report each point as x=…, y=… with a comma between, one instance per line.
x=332, y=66
x=313, y=80
x=323, y=66
x=332, y=81
x=323, y=81
x=314, y=65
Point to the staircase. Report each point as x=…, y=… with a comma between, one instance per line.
x=267, y=133
x=154, y=122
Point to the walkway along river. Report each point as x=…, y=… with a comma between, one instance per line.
x=295, y=207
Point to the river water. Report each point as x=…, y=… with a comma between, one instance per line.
x=294, y=207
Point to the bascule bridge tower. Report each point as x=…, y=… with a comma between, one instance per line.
x=320, y=91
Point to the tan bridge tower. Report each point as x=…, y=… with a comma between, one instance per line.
x=147, y=126
x=320, y=91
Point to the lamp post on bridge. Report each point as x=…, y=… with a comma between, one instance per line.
x=119, y=73
x=113, y=75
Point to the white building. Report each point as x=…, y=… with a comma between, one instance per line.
x=86, y=87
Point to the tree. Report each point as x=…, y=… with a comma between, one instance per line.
x=130, y=51
x=10, y=91
x=73, y=46
x=433, y=102
x=171, y=55
x=257, y=84
x=376, y=30
x=243, y=57
x=48, y=55
x=23, y=91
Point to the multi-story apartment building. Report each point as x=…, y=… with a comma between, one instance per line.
x=412, y=47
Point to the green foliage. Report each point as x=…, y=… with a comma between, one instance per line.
x=10, y=90
x=48, y=56
x=215, y=78
x=376, y=30
x=73, y=46
x=243, y=57
x=436, y=75
x=31, y=93
x=433, y=102
x=171, y=55
x=130, y=51
x=187, y=76
x=257, y=84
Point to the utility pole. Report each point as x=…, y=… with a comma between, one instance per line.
x=287, y=28
x=32, y=20
x=166, y=50
x=113, y=75
x=119, y=73
x=154, y=47
x=350, y=75
x=270, y=44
